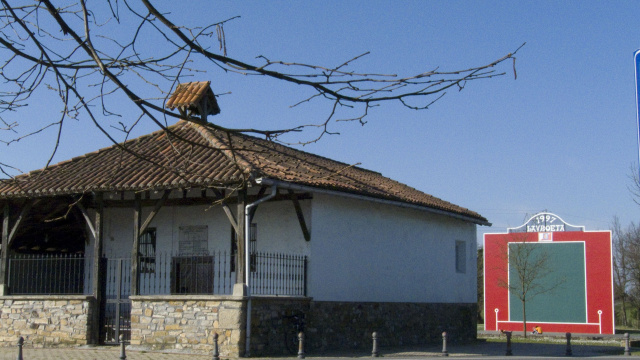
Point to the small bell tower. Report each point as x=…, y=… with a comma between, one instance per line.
x=194, y=100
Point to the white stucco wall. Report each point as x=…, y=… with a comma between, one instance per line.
x=277, y=224
x=359, y=250
x=365, y=251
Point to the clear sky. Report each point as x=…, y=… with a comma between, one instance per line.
x=561, y=137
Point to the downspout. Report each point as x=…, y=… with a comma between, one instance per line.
x=247, y=258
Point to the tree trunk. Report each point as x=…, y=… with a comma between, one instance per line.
x=524, y=318
x=624, y=310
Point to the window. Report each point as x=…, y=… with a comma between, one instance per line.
x=147, y=251
x=461, y=257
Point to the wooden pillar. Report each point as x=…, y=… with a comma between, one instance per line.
x=4, y=262
x=137, y=221
x=98, y=271
x=240, y=260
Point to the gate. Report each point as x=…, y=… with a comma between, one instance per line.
x=116, y=305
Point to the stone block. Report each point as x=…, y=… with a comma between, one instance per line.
x=230, y=319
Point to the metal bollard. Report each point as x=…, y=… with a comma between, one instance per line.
x=568, y=352
x=508, y=353
x=301, y=345
x=374, y=351
x=20, y=343
x=444, y=344
x=216, y=353
x=123, y=356
x=627, y=348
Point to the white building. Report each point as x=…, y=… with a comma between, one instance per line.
x=167, y=212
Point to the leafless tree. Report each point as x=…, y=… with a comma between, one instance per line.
x=622, y=239
x=530, y=268
x=78, y=50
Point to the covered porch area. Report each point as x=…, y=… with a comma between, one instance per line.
x=60, y=287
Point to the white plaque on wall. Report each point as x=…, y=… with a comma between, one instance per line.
x=193, y=240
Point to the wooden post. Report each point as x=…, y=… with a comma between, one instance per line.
x=240, y=263
x=98, y=275
x=137, y=220
x=4, y=263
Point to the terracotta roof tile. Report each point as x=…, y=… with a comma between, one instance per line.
x=188, y=95
x=195, y=154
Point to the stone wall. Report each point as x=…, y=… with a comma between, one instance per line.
x=45, y=321
x=189, y=322
x=271, y=323
x=349, y=325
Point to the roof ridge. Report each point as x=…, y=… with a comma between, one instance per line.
x=225, y=147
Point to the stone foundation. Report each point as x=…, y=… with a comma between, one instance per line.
x=45, y=321
x=269, y=324
x=349, y=325
x=189, y=322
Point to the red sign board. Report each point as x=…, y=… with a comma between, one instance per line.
x=564, y=272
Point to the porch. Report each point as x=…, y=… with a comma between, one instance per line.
x=164, y=276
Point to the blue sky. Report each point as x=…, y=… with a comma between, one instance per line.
x=561, y=137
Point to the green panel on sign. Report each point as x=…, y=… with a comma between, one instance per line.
x=560, y=282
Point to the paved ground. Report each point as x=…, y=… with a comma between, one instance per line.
x=484, y=350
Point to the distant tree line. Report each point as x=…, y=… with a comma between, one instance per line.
x=626, y=272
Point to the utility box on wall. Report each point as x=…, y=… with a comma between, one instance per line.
x=563, y=273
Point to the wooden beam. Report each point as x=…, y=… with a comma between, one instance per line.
x=98, y=273
x=155, y=210
x=87, y=218
x=227, y=210
x=137, y=219
x=23, y=213
x=199, y=201
x=300, y=214
x=240, y=261
x=4, y=262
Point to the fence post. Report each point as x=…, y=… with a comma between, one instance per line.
x=123, y=356
x=216, y=353
x=627, y=348
x=374, y=351
x=20, y=343
x=568, y=352
x=444, y=344
x=508, y=353
x=305, y=276
x=301, y=345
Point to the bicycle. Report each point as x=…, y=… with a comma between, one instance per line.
x=295, y=325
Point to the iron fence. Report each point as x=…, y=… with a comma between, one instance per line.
x=271, y=274
x=71, y=274
x=278, y=274
x=49, y=274
x=185, y=274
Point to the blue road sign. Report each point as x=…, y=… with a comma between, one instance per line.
x=636, y=60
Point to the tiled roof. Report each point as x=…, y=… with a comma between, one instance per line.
x=188, y=95
x=194, y=155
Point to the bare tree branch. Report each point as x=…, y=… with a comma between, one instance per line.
x=70, y=47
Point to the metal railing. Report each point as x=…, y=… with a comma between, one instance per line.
x=49, y=274
x=71, y=274
x=185, y=274
x=271, y=274
x=278, y=274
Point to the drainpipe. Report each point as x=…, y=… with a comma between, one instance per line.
x=247, y=258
